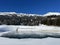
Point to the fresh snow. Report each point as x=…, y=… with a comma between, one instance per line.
x=46, y=41
x=41, y=30
x=29, y=41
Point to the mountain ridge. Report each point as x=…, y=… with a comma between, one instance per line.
x=13, y=18
x=46, y=14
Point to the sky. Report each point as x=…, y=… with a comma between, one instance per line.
x=30, y=6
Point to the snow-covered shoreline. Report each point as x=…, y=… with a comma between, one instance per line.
x=40, y=31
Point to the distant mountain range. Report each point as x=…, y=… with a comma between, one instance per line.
x=12, y=18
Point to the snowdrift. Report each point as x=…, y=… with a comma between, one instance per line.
x=41, y=31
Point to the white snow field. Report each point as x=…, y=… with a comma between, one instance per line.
x=40, y=30
x=45, y=41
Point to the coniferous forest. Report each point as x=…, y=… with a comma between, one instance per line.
x=14, y=19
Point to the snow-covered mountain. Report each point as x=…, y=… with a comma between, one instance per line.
x=18, y=14
x=13, y=18
x=52, y=13
x=25, y=14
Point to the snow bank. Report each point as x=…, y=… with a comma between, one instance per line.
x=41, y=31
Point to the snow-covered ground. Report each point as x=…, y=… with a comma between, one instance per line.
x=45, y=41
x=39, y=30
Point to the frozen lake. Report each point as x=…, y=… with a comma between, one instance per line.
x=45, y=41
